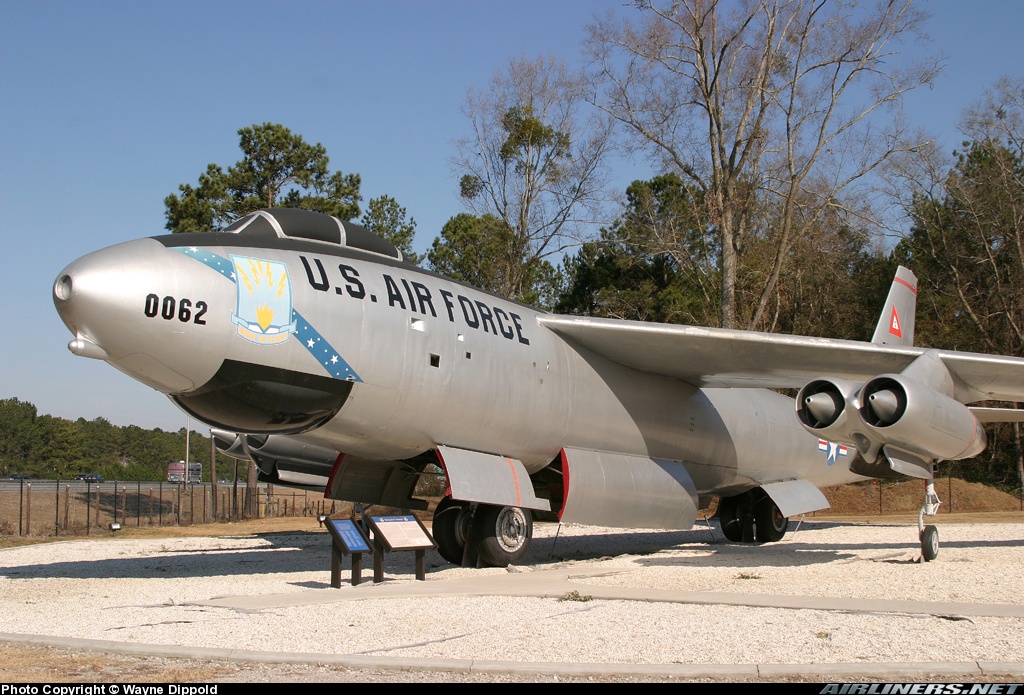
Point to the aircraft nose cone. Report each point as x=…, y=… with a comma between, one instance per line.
x=87, y=295
x=63, y=300
x=63, y=290
x=102, y=299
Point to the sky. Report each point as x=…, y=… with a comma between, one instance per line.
x=106, y=107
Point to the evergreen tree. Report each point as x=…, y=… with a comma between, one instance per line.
x=279, y=168
x=386, y=218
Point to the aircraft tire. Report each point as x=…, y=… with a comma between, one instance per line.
x=769, y=523
x=930, y=543
x=736, y=516
x=502, y=534
x=450, y=528
x=729, y=518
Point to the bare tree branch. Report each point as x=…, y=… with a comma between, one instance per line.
x=753, y=103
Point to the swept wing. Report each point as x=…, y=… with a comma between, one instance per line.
x=715, y=357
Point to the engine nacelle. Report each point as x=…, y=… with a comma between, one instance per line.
x=280, y=459
x=891, y=411
x=272, y=448
x=280, y=449
x=229, y=444
x=903, y=413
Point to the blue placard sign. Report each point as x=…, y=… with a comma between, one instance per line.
x=349, y=534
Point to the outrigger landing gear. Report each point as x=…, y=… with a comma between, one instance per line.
x=929, y=534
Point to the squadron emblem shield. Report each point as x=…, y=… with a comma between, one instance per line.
x=263, y=312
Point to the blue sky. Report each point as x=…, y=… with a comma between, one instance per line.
x=107, y=106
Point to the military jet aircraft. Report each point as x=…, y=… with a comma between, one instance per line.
x=309, y=346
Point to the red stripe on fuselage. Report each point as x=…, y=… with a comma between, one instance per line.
x=515, y=478
x=334, y=472
x=447, y=478
x=565, y=481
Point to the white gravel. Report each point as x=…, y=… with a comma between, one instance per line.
x=160, y=592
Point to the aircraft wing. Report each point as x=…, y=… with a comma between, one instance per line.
x=716, y=357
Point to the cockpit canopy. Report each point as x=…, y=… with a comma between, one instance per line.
x=295, y=223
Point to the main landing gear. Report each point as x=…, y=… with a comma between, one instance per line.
x=451, y=528
x=751, y=516
x=498, y=536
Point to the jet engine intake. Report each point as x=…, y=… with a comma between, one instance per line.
x=824, y=408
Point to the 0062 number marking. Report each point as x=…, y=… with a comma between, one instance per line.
x=170, y=308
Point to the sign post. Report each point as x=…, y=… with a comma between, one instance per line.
x=347, y=539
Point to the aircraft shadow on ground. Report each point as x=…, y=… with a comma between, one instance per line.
x=285, y=553
x=296, y=552
x=708, y=547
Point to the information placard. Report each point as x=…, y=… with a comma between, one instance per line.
x=348, y=535
x=404, y=532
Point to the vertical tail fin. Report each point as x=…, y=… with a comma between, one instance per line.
x=896, y=323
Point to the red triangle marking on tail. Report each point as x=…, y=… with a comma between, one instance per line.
x=894, y=325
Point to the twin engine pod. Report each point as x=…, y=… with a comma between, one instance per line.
x=279, y=458
x=890, y=410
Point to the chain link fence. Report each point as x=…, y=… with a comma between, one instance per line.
x=77, y=508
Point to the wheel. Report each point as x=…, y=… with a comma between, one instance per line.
x=728, y=517
x=930, y=543
x=735, y=514
x=502, y=534
x=450, y=528
x=770, y=524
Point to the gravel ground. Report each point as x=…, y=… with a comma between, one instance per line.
x=210, y=595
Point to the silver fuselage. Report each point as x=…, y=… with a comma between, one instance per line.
x=411, y=360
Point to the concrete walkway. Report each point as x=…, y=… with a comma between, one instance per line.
x=559, y=583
